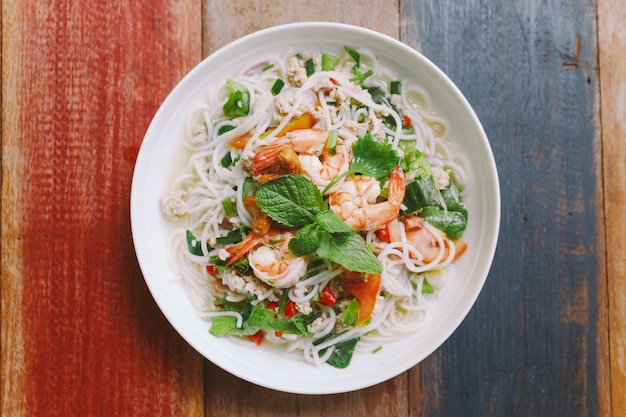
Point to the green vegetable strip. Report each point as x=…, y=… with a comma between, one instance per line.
x=395, y=87
x=329, y=62
x=427, y=288
x=226, y=160
x=229, y=208
x=248, y=186
x=360, y=77
x=194, y=245
x=355, y=56
x=331, y=143
x=309, y=66
x=278, y=85
x=224, y=128
x=283, y=300
x=234, y=236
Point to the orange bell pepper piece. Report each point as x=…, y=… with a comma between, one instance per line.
x=365, y=290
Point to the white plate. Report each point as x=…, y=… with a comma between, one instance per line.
x=265, y=366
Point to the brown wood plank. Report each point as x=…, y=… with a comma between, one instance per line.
x=227, y=395
x=80, y=333
x=612, y=60
x=225, y=21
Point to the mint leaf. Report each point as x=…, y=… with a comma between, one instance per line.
x=292, y=200
x=350, y=251
x=307, y=240
x=329, y=221
x=296, y=202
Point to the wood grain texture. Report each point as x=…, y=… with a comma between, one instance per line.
x=612, y=58
x=80, y=332
x=227, y=395
x=225, y=21
x=534, y=344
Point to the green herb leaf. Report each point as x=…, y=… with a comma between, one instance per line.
x=342, y=351
x=296, y=202
x=350, y=251
x=351, y=314
x=342, y=354
x=421, y=193
x=452, y=223
x=414, y=162
x=307, y=240
x=329, y=221
x=370, y=157
x=238, y=103
x=292, y=200
x=223, y=325
x=194, y=245
x=453, y=200
x=226, y=161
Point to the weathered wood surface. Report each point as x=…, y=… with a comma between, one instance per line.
x=612, y=64
x=80, y=334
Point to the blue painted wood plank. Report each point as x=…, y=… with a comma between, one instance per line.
x=531, y=344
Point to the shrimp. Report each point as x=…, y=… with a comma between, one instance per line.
x=355, y=201
x=303, y=141
x=322, y=169
x=269, y=258
x=308, y=156
x=422, y=239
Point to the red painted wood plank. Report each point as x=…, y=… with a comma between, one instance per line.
x=83, y=81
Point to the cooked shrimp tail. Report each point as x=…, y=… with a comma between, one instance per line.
x=238, y=250
x=303, y=141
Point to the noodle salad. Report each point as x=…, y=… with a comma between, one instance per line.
x=320, y=207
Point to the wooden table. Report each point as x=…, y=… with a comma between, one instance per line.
x=81, y=335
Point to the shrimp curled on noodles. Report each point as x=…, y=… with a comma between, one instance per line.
x=303, y=141
x=355, y=201
x=314, y=159
x=269, y=257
